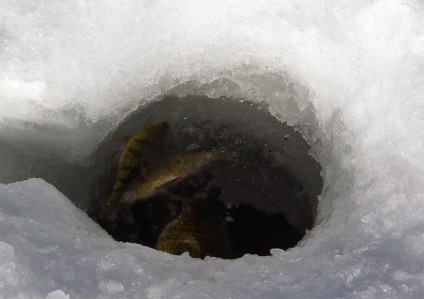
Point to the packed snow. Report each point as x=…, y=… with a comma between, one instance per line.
x=348, y=75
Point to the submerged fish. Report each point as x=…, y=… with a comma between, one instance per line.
x=195, y=183
x=198, y=230
x=169, y=169
x=138, y=148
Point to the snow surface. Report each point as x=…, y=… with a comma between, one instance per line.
x=348, y=74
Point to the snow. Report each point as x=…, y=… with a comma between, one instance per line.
x=58, y=294
x=349, y=75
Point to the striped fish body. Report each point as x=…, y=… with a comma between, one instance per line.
x=171, y=168
x=198, y=230
x=138, y=148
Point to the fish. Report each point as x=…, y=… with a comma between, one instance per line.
x=137, y=150
x=190, y=185
x=170, y=169
x=198, y=230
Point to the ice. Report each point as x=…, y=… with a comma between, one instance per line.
x=58, y=294
x=349, y=75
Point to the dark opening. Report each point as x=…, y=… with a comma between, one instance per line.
x=213, y=177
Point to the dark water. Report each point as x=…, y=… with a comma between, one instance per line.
x=265, y=189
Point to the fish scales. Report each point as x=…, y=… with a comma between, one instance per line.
x=138, y=148
x=172, y=167
x=198, y=230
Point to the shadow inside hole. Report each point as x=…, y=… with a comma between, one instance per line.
x=261, y=193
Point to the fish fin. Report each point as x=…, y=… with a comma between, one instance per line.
x=125, y=139
x=170, y=183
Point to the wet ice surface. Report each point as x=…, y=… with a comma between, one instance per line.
x=348, y=75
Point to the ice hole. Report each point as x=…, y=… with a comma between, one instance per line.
x=248, y=185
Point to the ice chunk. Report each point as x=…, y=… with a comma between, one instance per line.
x=58, y=294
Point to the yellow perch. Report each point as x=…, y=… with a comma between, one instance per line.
x=170, y=168
x=138, y=147
x=198, y=230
